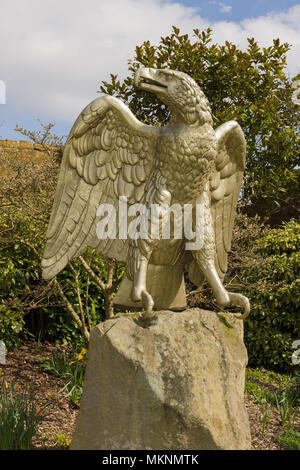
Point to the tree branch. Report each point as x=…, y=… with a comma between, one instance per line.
x=71, y=311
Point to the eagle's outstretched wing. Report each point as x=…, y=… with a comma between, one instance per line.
x=225, y=187
x=108, y=154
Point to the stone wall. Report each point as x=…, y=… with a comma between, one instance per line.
x=21, y=148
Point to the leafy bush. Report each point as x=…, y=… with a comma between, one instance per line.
x=273, y=287
x=19, y=272
x=27, y=186
x=11, y=324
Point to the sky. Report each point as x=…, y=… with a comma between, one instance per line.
x=55, y=53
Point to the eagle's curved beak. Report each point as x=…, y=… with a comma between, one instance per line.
x=146, y=79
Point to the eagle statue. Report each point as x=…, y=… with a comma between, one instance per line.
x=110, y=156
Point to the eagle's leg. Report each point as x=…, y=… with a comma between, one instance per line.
x=223, y=297
x=205, y=259
x=158, y=199
x=139, y=291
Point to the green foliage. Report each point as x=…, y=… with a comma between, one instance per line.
x=19, y=271
x=286, y=410
x=59, y=326
x=273, y=289
x=267, y=377
x=258, y=393
x=273, y=391
x=21, y=289
x=19, y=419
x=69, y=369
x=289, y=439
x=265, y=414
x=11, y=325
x=288, y=403
x=285, y=240
x=249, y=86
x=24, y=206
x=63, y=440
x=261, y=384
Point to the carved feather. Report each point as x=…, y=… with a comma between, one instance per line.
x=225, y=187
x=92, y=163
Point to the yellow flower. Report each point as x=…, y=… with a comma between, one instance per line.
x=81, y=354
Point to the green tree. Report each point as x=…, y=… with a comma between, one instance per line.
x=272, y=284
x=249, y=86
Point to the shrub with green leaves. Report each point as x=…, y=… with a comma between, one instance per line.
x=18, y=273
x=273, y=287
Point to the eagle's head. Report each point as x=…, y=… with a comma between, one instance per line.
x=185, y=100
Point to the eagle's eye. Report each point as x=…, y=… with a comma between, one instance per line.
x=166, y=76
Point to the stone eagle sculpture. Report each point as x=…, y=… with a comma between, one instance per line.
x=109, y=154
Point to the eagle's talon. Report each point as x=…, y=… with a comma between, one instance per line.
x=148, y=318
x=240, y=300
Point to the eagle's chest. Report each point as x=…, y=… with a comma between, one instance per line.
x=184, y=158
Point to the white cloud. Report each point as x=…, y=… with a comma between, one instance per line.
x=55, y=53
x=224, y=8
x=284, y=25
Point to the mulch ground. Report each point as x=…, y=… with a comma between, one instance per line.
x=22, y=368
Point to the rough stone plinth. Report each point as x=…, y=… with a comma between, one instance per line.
x=178, y=384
